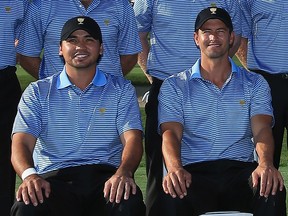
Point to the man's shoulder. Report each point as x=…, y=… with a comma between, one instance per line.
x=45, y=83
x=116, y=80
x=183, y=76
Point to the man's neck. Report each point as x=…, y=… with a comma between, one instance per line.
x=216, y=71
x=86, y=3
x=81, y=77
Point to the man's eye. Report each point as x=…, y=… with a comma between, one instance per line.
x=71, y=40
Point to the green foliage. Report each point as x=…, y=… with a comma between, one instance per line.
x=137, y=77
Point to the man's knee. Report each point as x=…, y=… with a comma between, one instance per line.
x=21, y=209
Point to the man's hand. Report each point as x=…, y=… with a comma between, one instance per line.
x=270, y=180
x=31, y=190
x=118, y=185
x=176, y=183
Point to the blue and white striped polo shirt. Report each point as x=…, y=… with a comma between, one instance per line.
x=75, y=127
x=11, y=17
x=171, y=27
x=266, y=28
x=45, y=19
x=217, y=122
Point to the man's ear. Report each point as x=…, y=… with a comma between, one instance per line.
x=101, y=50
x=60, y=49
x=196, y=39
x=232, y=39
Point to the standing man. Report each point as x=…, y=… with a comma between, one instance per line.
x=208, y=150
x=41, y=33
x=265, y=52
x=171, y=49
x=11, y=17
x=85, y=127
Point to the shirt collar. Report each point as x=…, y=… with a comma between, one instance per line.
x=63, y=80
x=196, y=68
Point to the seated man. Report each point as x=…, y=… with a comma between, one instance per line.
x=208, y=115
x=85, y=128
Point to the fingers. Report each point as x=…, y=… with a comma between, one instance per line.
x=255, y=179
x=265, y=184
x=271, y=180
x=169, y=187
x=176, y=183
x=31, y=190
x=117, y=187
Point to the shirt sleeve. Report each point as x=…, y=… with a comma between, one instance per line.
x=170, y=108
x=28, y=118
x=128, y=40
x=245, y=7
x=143, y=13
x=31, y=36
x=261, y=102
x=129, y=116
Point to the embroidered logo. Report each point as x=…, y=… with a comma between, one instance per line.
x=107, y=22
x=80, y=21
x=8, y=9
x=102, y=110
x=242, y=102
x=213, y=4
x=213, y=10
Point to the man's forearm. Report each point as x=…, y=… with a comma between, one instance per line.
x=241, y=53
x=132, y=152
x=30, y=64
x=143, y=56
x=127, y=63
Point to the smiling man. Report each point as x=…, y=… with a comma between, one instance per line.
x=85, y=128
x=208, y=149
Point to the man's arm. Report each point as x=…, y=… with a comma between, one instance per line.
x=241, y=53
x=177, y=179
x=127, y=63
x=235, y=46
x=270, y=178
x=30, y=64
x=31, y=188
x=142, y=56
x=122, y=182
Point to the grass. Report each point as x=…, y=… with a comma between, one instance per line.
x=138, y=79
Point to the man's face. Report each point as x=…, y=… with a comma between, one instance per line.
x=214, y=38
x=80, y=50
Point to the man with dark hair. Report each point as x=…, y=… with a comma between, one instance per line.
x=85, y=128
x=208, y=149
x=38, y=45
x=167, y=39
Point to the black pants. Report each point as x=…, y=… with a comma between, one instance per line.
x=224, y=185
x=78, y=191
x=153, y=150
x=279, y=88
x=10, y=93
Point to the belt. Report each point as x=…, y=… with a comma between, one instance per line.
x=279, y=75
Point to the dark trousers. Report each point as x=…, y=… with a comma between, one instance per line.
x=153, y=150
x=78, y=191
x=10, y=93
x=279, y=88
x=224, y=185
